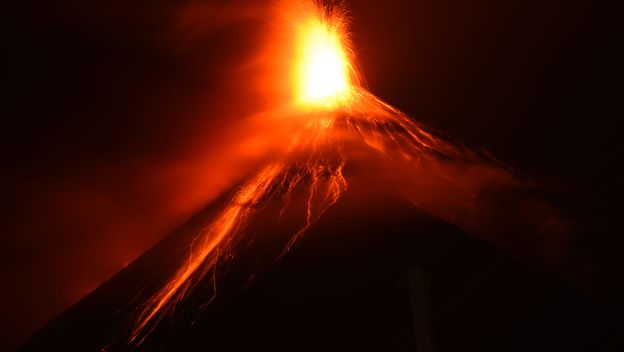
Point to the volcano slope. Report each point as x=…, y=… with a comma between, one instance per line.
x=364, y=233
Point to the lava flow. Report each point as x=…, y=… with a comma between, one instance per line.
x=333, y=121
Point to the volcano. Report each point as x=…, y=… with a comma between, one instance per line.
x=340, y=239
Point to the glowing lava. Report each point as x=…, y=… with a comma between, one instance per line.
x=324, y=72
x=323, y=68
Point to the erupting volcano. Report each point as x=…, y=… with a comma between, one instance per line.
x=331, y=136
x=335, y=121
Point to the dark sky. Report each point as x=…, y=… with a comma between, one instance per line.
x=119, y=116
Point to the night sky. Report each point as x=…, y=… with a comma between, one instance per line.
x=118, y=117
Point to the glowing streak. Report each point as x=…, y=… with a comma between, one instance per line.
x=234, y=215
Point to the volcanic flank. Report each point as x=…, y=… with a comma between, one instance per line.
x=349, y=171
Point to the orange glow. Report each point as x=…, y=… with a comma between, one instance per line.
x=323, y=73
